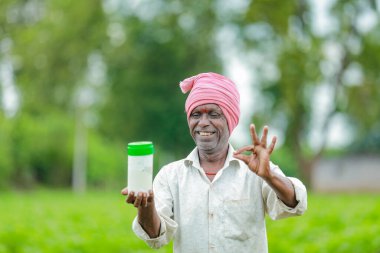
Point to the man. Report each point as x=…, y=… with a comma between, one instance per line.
x=215, y=200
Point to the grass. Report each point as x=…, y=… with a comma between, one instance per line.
x=52, y=221
x=333, y=223
x=58, y=221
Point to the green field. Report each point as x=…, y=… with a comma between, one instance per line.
x=57, y=221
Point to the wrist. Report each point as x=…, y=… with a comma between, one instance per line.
x=149, y=220
x=145, y=211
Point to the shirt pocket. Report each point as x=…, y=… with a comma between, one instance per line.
x=239, y=219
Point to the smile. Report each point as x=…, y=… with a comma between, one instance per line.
x=202, y=133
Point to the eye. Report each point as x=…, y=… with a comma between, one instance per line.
x=195, y=115
x=215, y=115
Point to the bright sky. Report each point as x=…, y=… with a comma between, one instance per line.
x=10, y=97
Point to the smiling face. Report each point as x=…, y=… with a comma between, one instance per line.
x=209, y=128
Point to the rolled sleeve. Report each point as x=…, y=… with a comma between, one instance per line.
x=277, y=209
x=167, y=229
x=301, y=196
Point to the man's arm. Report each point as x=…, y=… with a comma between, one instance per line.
x=146, y=211
x=283, y=188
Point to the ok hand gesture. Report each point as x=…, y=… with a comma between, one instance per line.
x=258, y=159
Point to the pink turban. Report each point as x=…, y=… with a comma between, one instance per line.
x=212, y=88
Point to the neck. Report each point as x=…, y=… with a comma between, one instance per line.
x=212, y=161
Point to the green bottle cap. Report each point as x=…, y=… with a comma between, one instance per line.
x=140, y=148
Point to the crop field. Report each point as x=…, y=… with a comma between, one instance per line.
x=58, y=221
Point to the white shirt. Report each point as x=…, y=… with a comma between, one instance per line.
x=225, y=215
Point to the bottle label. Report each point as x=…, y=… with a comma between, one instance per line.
x=140, y=173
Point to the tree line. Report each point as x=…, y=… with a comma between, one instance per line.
x=90, y=76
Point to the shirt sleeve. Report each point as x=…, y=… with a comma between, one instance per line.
x=277, y=209
x=164, y=206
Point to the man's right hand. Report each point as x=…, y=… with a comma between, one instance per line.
x=139, y=199
x=147, y=214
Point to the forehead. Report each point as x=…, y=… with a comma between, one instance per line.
x=208, y=108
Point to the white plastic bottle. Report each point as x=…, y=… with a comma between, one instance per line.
x=140, y=166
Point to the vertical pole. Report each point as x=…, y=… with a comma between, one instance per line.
x=80, y=154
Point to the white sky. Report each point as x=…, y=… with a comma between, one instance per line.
x=10, y=99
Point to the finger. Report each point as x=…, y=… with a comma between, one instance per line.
x=255, y=139
x=244, y=149
x=264, y=137
x=124, y=191
x=271, y=146
x=131, y=198
x=150, y=196
x=138, y=200
x=242, y=157
x=144, y=201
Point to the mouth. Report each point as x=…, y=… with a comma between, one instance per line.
x=204, y=133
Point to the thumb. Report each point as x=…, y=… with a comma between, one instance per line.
x=124, y=191
x=242, y=157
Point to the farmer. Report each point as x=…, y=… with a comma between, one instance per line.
x=216, y=198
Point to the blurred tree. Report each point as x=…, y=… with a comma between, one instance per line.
x=138, y=50
x=155, y=45
x=298, y=62
x=49, y=45
x=51, y=42
x=41, y=149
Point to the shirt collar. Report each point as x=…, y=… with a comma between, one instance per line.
x=193, y=159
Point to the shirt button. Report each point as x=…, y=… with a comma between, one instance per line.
x=211, y=215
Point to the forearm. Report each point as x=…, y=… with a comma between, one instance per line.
x=283, y=188
x=149, y=220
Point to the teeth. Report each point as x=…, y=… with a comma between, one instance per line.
x=205, y=133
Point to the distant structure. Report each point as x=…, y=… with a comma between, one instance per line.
x=359, y=173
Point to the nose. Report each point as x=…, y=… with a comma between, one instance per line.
x=203, y=120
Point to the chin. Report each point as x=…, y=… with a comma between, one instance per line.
x=205, y=146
